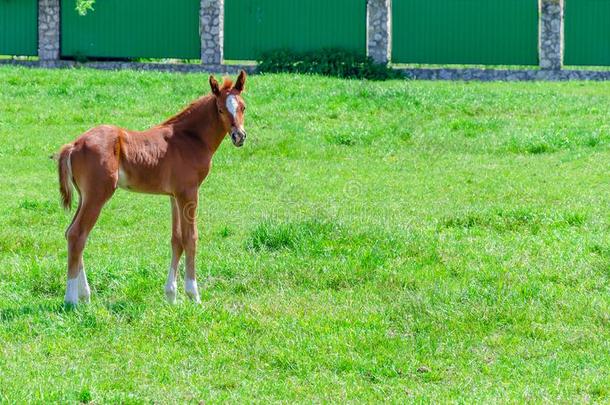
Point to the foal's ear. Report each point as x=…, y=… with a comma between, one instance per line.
x=214, y=86
x=240, y=84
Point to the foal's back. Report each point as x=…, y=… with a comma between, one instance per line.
x=149, y=161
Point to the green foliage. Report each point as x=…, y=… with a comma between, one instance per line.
x=326, y=62
x=84, y=6
x=84, y=396
x=373, y=242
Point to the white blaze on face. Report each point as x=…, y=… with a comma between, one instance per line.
x=232, y=106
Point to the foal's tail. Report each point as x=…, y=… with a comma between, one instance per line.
x=64, y=168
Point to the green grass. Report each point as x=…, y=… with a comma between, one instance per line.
x=395, y=241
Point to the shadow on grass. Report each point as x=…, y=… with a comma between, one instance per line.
x=126, y=310
x=10, y=314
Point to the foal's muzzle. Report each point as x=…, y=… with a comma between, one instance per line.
x=238, y=136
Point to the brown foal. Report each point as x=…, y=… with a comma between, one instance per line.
x=172, y=158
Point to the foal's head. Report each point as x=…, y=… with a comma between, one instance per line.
x=231, y=106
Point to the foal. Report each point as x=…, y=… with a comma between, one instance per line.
x=172, y=158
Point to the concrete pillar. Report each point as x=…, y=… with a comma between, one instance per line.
x=379, y=30
x=551, y=34
x=211, y=26
x=48, y=30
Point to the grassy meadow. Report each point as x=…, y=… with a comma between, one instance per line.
x=373, y=241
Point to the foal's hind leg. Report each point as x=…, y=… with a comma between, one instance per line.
x=84, y=292
x=172, y=276
x=77, y=238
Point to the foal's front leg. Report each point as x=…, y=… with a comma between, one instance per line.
x=172, y=276
x=187, y=205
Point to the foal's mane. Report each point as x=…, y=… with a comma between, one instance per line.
x=195, y=105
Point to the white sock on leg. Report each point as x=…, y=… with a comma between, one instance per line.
x=190, y=287
x=171, y=287
x=84, y=292
x=72, y=291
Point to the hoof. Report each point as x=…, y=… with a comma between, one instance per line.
x=84, y=295
x=194, y=298
x=84, y=292
x=170, y=294
x=70, y=305
x=191, y=290
x=71, y=297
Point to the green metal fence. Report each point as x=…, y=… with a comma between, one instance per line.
x=19, y=27
x=132, y=29
x=500, y=32
x=587, y=32
x=255, y=26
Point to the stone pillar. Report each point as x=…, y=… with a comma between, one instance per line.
x=379, y=30
x=551, y=34
x=48, y=30
x=211, y=26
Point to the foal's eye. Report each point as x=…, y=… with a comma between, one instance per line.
x=243, y=109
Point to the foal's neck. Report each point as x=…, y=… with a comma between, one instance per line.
x=200, y=119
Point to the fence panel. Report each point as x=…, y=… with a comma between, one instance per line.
x=19, y=27
x=132, y=29
x=256, y=26
x=500, y=32
x=587, y=32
